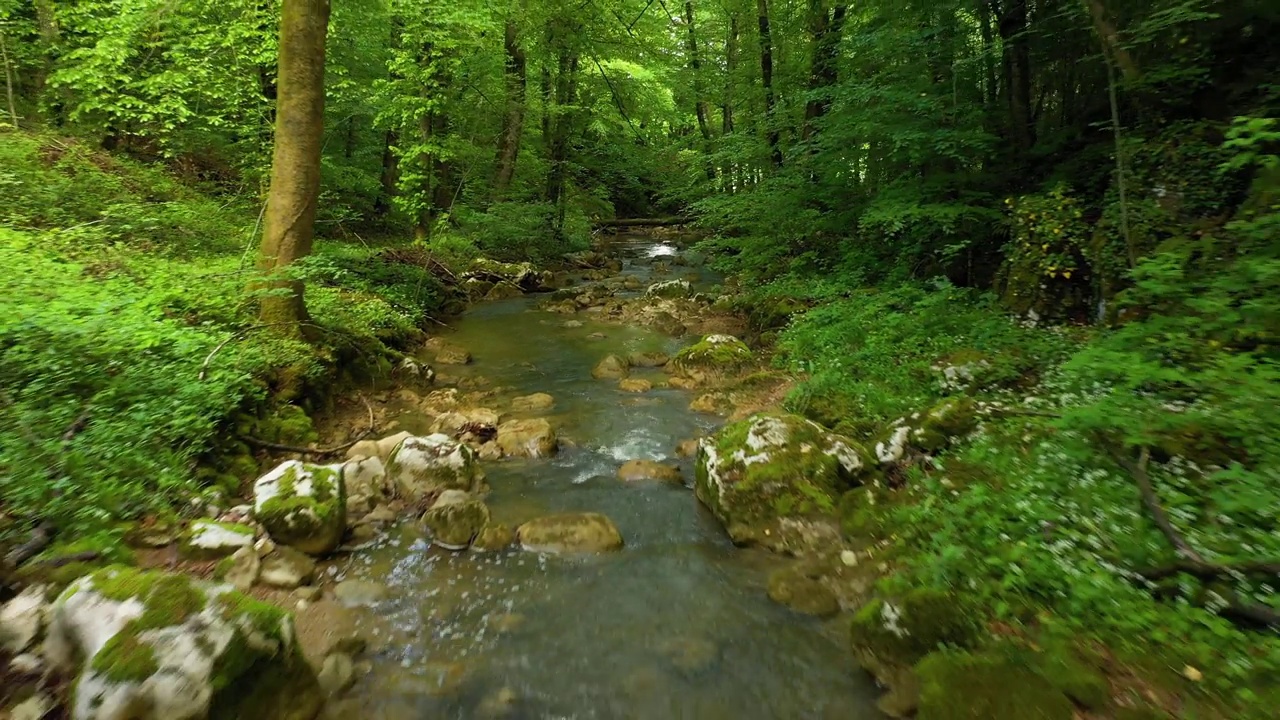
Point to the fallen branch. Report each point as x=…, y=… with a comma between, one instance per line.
x=642, y=222
x=41, y=536
x=62, y=560
x=1209, y=571
x=282, y=447
x=1191, y=560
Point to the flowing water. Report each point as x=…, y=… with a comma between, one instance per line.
x=676, y=625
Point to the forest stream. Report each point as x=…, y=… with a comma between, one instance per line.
x=675, y=625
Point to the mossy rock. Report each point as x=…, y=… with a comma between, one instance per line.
x=454, y=523
x=423, y=466
x=793, y=587
x=211, y=540
x=769, y=475
x=900, y=631
x=1067, y=671
x=303, y=506
x=986, y=686
x=715, y=356
x=930, y=432
x=170, y=646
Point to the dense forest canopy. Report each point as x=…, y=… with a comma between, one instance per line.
x=1076, y=201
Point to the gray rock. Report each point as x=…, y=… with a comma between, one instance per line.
x=244, y=570
x=21, y=619
x=287, y=568
x=211, y=540
x=337, y=674
x=425, y=465
x=302, y=505
x=354, y=593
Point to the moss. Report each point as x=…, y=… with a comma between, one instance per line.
x=713, y=357
x=223, y=567
x=267, y=688
x=903, y=630
x=121, y=583
x=126, y=658
x=173, y=599
x=943, y=423
x=988, y=686
x=1066, y=671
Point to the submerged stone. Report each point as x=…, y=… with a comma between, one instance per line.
x=642, y=470
x=794, y=588
x=570, y=533
x=532, y=403
x=527, y=438
x=611, y=367
x=454, y=521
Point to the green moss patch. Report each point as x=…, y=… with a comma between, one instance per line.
x=987, y=686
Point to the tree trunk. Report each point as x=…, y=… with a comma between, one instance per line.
x=390, y=175
x=695, y=65
x=988, y=48
x=731, y=65
x=295, y=163
x=8, y=79
x=825, y=28
x=566, y=90
x=766, y=77
x=444, y=188
x=1017, y=69
x=1111, y=40
x=513, y=121
x=47, y=21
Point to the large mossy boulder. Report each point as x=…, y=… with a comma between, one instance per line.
x=991, y=685
x=423, y=466
x=570, y=533
x=303, y=506
x=713, y=357
x=930, y=431
x=773, y=477
x=149, y=645
x=892, y=633
x=455, y=519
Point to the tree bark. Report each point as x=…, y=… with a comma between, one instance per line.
x=47, y=22
x=695, y=65
x=1111, y=40
x=295, y=165
x=566, y=90
x=766, y=77
x=825, y=28
x=513, y=121
x=390, y=174
x=8, y=79
x=731, y=65
x=1017, y=69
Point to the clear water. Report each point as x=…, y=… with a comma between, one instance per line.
x=676, y=625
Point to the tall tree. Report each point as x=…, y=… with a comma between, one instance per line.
x=517, y=80
x=295, y=164
x=766, y=77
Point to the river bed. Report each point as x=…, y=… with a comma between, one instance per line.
x=675, y=625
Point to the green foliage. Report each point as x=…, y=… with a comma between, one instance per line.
x=877, y=356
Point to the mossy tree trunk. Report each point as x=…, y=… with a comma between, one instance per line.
x=295, y=163
x=513, y=122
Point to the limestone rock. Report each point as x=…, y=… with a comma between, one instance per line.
x=287, y=568
x=570, y=533
x=532, y=403
x=425, y=465
x=244, y=569
x=35, y=707
x=366, y=478
x=671, y=290
x=380, y=449
x=713, y=357
x=354, y=593
x=635, y=385
x=795, y=589
x=158, y=646
x=211, y=540
x=687, y=448
x=455, y=519
x=527, y=438
x=21, y=619
x=773, y=479
x=337, y=674
x=494, y=538
x=928, y=432
x=610, y=368
x=641, y=470
x=648, y=359
x=302, y=505
x=710, y=404
x=450, y=354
